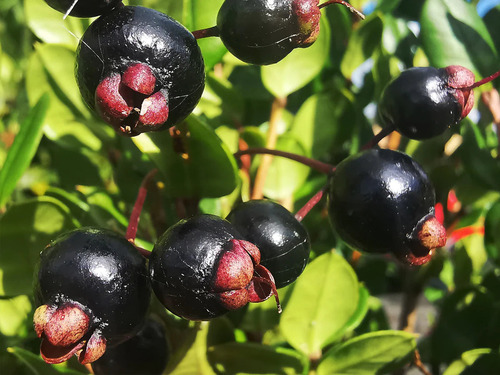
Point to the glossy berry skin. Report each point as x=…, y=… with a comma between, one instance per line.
x=83, y=8
x=424, y=102
x=200, y=269
x=382, y=201
x=140, y=70
x=98, y=276
x=265, y=31
x=146, y=353
x=282, y=240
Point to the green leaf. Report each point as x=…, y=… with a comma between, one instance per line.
x=23, y=149
x=453, y=34
x=252, y=358
x=48, y=24
x=205, y=169
x=25, y=229
x=68, y=122
x=37, y=366
x=201, y=14
x=299, y=67
x=466, y=359
x=330, y=287
x=372, y=353
x=362, y=43
x=13, y=315
x=491, y=232
x=285, y=176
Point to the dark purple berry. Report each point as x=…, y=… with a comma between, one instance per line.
x=92, y=291
x=424, y=102
x=202, y=268
x=83, y=8
x=140, y=70
x=144, y=354
x=382, y=201
x=263, y=31
x=282, y=240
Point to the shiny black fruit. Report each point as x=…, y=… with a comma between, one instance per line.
x=423, y=102
x=83, y=8
x=265, y=31
x=382, y=201
x=92, y=291
x=202, y=268
x=144, y=354
x=282, y=240
x=140, y=70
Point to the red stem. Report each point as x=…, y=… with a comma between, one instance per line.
x=312, y=163
x=133, y=222
x=378, y=137
x=346, y=4
x=483, y=81
x=145, y=253
x=205, y=33
x=301, y=214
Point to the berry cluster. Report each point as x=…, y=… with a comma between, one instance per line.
x=141, y=71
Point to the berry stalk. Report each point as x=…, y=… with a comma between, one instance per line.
x=301, y=214
x=344, y=3
x=483, y=81
x=205, y=33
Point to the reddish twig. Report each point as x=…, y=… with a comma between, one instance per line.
x=312, y=163
x=483, y=81
x=346, y=4
x=378, y=137
x=205, y=33
x=301, y=214
x=133, y=222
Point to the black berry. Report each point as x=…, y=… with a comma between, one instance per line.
x=423, y=102
x=202, y=268
x=83, y=8
x=263, y=32
x=144, y=354
x=382, y=201
x=140, y=70
x=282, y=240
x=93, y=291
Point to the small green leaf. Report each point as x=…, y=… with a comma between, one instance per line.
x=466, y=359
x=37, y=366
x=372, y=353
x=23, y=149
x=491, y=232
x=25, y=229
x=13, y=314
x=299, y=67
x=206, y=169
x=453, y=34
x=251, y=358
x=362, y=44
x=330, y=287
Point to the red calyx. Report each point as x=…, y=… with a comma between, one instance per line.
x=461, y=79
x=128, y=101
x=65, y=331
x=241, y=279
x=308, y=15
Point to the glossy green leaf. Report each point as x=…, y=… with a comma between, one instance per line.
x=362, y=44
x=252, y=358
x=299, y=67
x=453, y=34
x=48, y=24
x=13, y=315
x=25, y=229
x=373, y=353
x=64, y=123
x=466, y=359
x=285, y=176
x=492, y=232
x=23, y=149
x=37, y=366
x=324, y=299
x=205, y=169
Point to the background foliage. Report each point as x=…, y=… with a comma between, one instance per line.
x=63, y=168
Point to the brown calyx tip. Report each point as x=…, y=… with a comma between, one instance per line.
x=308, y=15
x=129, y=102
x=263, y=287
x=431, y=233
x=94, y=349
